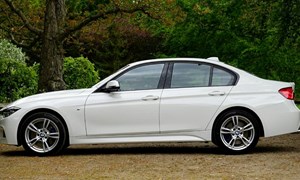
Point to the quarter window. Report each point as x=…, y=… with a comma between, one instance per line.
x=141, y=78
x=186, y=75
x=222, y=78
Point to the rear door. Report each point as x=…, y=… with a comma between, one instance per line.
x=194, y=92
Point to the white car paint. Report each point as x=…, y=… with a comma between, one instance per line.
x=195, y=110
x=134, y=115
x=159, y=115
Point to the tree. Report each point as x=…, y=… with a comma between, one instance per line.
x=49, y=33
x=112, y=43
x=51, y=72
x=118, y=40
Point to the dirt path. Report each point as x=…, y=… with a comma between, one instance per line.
x=274, y=158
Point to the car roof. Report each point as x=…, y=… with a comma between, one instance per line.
x=213, y=60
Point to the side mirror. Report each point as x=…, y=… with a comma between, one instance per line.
x=112, y=86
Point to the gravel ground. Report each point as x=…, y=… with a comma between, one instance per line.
x=273, y=158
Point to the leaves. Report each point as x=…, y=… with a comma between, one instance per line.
x=16, y=78
x=79, y=73
x=11, y=51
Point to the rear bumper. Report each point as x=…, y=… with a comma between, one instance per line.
x=282, y=118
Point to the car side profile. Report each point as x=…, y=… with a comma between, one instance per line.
x=160, y=100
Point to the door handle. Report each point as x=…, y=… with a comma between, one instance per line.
x=216, y=93
x=150, y=97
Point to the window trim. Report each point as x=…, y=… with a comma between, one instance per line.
x=167, y=73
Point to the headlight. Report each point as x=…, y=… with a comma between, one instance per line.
x=8, y=111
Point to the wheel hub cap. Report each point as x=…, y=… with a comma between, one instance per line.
x=237, y=132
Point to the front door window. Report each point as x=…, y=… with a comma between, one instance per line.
x=141, y=78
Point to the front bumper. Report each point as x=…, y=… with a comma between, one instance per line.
x=9, y=130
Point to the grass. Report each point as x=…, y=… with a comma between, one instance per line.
x=298, y=105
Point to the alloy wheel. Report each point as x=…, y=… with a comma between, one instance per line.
x=237, y=132
x=42, y=135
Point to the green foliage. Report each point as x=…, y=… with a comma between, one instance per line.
x=10, y=51
x=259, y=36
x=79, y=73
x=122, y=38
x=35, y=3
x=114, y=45
x=87, y=7
x=16, y=80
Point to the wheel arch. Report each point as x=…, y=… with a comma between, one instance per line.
x=261, y=128
x=38, y=111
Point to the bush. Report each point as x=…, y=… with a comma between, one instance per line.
x=17, y=80
x=79, y=73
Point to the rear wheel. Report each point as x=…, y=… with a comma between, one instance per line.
x=43, y=134
x=236, y=132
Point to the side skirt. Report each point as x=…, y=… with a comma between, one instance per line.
x=202, y=136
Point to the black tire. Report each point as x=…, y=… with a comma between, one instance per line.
x=236, y=132
x=43, y=134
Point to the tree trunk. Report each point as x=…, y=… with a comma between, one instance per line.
x=52, y=53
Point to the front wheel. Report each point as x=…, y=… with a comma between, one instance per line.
x=43, y=134
x=236, y=132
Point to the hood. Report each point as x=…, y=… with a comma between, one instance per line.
x=48, y=95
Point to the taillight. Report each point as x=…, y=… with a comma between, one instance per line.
x=287, y=93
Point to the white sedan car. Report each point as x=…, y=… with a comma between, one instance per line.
x=162, y=100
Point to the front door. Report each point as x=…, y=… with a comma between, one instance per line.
x=132, y=110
